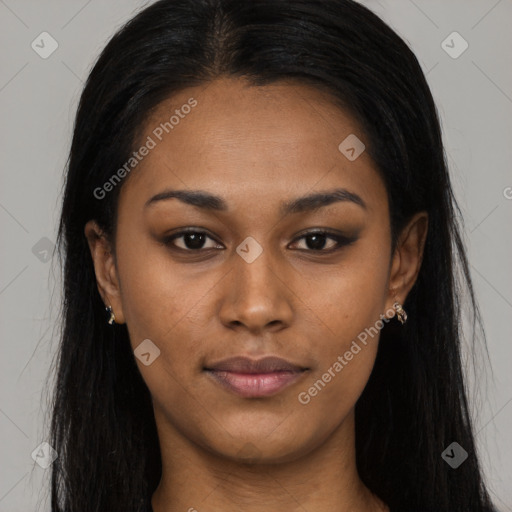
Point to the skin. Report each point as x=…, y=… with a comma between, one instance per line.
x=255, y=147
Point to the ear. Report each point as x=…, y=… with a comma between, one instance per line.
x=407, y=258
x=105, y=269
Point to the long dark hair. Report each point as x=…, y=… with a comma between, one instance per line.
x=415, y=403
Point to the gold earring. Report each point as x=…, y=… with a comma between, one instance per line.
x=400, y=312
x=112, y=319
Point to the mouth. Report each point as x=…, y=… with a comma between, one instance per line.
x=250, y=378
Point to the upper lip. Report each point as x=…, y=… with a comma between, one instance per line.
x=242, y=364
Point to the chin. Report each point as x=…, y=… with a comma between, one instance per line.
x=263, y=449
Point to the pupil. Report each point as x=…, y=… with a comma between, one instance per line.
x=197, y=240
x=318, y=241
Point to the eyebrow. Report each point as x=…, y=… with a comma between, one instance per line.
x=309, y=202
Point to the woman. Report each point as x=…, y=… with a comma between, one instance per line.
x=261, y=245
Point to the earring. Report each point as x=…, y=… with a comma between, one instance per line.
x=112, y=319
x=400, y=312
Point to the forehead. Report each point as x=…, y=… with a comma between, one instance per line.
x=238, y=140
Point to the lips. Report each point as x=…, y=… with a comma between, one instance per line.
x=245, y=365
x=251, y=378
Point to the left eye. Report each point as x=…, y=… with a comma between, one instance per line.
x=316, y=241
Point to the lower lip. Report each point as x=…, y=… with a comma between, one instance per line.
x=252, y=385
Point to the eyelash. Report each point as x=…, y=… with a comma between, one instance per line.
x=341, y=241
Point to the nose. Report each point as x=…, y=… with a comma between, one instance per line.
x=257, y=297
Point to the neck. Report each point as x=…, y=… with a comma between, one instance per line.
x=323, y=479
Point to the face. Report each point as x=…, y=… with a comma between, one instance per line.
x=253, y=272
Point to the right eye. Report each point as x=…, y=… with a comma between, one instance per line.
x=192, y=241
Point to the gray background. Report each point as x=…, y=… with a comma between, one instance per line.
x=38, y=98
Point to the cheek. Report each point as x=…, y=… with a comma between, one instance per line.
x=160, y=297
x=346, y=357
x=350, y=296
x=348, y=306
x=162, y=305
